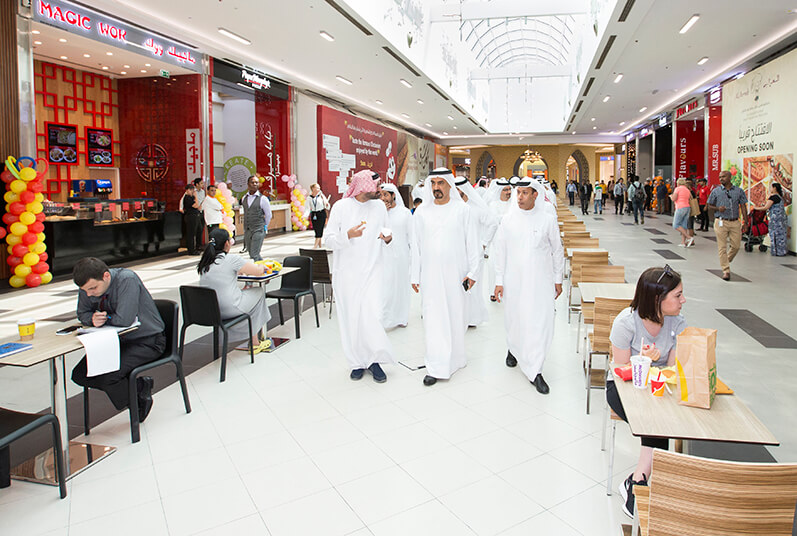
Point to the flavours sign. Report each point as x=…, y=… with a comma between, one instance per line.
x=81, y=20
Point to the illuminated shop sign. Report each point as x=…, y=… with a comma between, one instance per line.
x=83, y=21
x=249, y=78
x=685, y=109
x=715, y=96
x=630, y=136
x=255, y=80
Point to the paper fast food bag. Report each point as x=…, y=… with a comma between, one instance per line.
x=696, y=361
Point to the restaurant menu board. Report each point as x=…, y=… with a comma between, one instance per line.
x=61, y=144
x=99, y=145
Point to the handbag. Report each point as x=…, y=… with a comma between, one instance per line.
x=694, y=207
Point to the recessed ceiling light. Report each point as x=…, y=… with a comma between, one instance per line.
x=405, y=116
x=379, y=102
x=143, y=70
x=419, y=101
x=451, y=118
x=692, y=20
x=86, y=55
x=326, y=36
x=573, y=132
x=62, y=40
x=37, y=42
x=622, y=123
x=35, y=32
x=428, y=125
x=123, y=72
x=64, y=58
x=643, y=109
x=405, y=83
x=127, y=66
x=445, y=133
x=109, y=53
x=455, y=127
x=738, y=76
x=105, y=68
x=618, y=78
x=147, y=65
x=606, y=98
x=344, y=80
x=593, y=119
x=594, y=128
x=236, y=37
x=702, y=60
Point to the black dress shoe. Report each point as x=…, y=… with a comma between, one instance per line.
x=377, y=372
x=144, y=387
x=357, y=374
x=429, y=380
x=510, y=360
x=539, y=383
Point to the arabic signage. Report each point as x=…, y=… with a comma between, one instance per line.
x=83, y=21
x=249, y=78
x=758, y=138
x=714, y=145
x=192, y=152
x=272, y=141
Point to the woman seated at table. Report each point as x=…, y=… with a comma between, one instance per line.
x=220, y=271
x=654, y=319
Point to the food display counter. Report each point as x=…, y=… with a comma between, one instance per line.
x=116, y=231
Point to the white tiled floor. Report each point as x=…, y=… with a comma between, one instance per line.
x=291, y=446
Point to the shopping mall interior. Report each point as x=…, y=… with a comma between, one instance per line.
x=652, y=135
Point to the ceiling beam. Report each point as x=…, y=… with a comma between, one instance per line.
x=504, y=9
x=522, y=70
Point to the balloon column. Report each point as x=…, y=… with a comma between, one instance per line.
x=24, y=218
x=298, y=194
x=224, y=195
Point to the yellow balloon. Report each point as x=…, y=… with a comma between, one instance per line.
x=30, y=259
x=17, y=281
x=13, y=239
x=27, y=218
x=41, y=237
x=27, y=174
x=38, y=248
x=18, y=228
x=18, y=186
x=11, y=197
x=22, y=270
x=39, y=197
x=34, y=207
x=10, y=250
x=46, y=277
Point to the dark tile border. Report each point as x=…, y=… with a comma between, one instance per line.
x=669, y=255
x=734, y=277
x=759, y=329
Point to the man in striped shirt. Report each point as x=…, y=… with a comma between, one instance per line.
x=730, y=212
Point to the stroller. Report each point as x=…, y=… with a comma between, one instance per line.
x=756, y=229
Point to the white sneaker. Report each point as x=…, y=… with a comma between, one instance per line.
x=681, y=245
x=691, y=243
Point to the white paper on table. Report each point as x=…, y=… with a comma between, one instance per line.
x=102, y=351
x=116, y=329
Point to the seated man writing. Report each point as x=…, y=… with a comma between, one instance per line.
x=117, y=297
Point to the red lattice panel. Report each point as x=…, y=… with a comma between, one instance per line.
x=66, y=93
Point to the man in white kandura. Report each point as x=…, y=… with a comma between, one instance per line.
x=486, y=225
x=529, y=265
x=355, y=235
x=396, y=278
x=498, y=200
x=445, y=264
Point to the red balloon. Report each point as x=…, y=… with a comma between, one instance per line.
x=35, y=186
x=6, y=176
x=40, y=267
x=40, y=217
x=16, y=208
x=27, y=197
x=8, y=219
x=13, y=262
x=36, y=227
x=33, y=280
x=19, y=250
x=2, y=233
x=29, y=238
x=43, y=257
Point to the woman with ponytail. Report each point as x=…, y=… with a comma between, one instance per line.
x=219, y=270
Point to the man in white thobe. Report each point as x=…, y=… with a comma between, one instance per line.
x=355, y=235
x=396, y=279
x=498, y=201
x=445, y=265
x=486, y=225
x=529, y=266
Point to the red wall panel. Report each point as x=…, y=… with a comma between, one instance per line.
x=273, y=140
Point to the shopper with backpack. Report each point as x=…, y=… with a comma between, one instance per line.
x=637, y=196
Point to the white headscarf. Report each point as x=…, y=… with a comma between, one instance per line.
x=496, y=187
x=538, y=203
x=514, y=180
x=464, y=184
x=390, y=187
x=440, y=173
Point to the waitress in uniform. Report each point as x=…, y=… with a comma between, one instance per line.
x=316, y=206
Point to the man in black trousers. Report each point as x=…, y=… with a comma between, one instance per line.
x=584, y=193
x=193, y=221
x=117, y=297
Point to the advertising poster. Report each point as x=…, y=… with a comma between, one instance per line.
x=347, y=144
x=414, y=159
x=758, y=138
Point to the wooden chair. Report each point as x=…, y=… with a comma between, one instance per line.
x=606, y=309
x=581, y=258
x=704, y=497
x=641, y=510
x=582, y=243
x=573, y=226
x=576, y=234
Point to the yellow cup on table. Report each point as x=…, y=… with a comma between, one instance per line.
x=27, y=327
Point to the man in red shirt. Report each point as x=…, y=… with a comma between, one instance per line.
x=702, y=198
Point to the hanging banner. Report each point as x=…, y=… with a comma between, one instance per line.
x=758, y=137
x=272, y=141
x=714, y=145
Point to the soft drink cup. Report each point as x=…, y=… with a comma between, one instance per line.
x=640, y=366
x=657, y=387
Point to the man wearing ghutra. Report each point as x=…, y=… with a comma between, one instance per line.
x=355, y=235
x=445, y=265
x=529, y=266
x=486, y=225
x=396, y=278
x=498, y=199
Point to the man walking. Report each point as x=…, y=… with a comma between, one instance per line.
x=636, y=196
x=257, y=215
x=445, y=266
x=396, y=279
x=571, y=192
x=729, y=205
x=661, y=197
x=619, y=197
x=529, y=266
x=585, y=192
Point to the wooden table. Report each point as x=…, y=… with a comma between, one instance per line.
x=78, y=456
x=588, y=250
x=620, y=291
x=729, y=419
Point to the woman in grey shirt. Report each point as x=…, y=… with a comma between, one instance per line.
x=219, y=270
x=649, y=327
